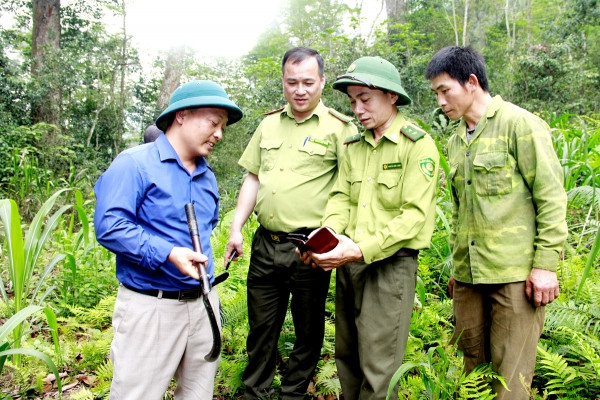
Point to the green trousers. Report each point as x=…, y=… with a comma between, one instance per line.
x=374, y=303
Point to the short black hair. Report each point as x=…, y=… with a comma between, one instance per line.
x=299, y=54
x=458, y=62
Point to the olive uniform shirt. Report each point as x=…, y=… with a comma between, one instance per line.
x=384, y=198
x=509, y=202
x=296, y=164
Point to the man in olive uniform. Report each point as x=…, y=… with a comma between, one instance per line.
x=382, y=207
x=508, y=222
x=292, y=162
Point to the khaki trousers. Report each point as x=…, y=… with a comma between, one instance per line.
x=158, y=339
x=497, y=324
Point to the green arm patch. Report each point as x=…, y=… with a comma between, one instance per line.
x=412, y=132
x=344, y=118
x=352, y=139
x=427, y=166
x=273, y=111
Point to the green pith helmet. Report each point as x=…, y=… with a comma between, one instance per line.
x=374, y=72
x=196, y=94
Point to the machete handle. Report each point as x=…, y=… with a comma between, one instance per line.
x=192, y=222
x=190, y=214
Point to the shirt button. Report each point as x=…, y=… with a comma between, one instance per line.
x=374, y=151
x=469, y=182
x=271, y=216
x=369, y=179
x=311, y=152
x=359, y=232
x=364, y=204
x=289, y=146
x=468, y=153
x=274, y=190
x=281, y=169
x=472, y=243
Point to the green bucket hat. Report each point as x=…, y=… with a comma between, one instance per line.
x=374, y=72
x=196, y=94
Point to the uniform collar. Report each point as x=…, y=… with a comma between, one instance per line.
x=392, y=133
x=491, y=111
x=494, y=107
x=319, y=111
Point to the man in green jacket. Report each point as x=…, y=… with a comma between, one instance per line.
x=382, y=207
x=508, y=222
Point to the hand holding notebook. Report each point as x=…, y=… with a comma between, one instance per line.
x=321, y=241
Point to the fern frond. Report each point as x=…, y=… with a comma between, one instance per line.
x=105, y=371
x=83, y=394
x=99, y=316
x=236, y=310
x=562, y=379
x=327, y=380
x=476, y=385
x=580, y=317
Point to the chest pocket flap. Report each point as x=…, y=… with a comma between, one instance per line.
x=268, y=150
x=489, y=161
x=270, y=144
x=314, y=148
x=492, y=173
x=389, y=178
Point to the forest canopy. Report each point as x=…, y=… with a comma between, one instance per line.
x=70, y=72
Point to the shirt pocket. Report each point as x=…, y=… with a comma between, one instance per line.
x=388, y=189
x=355, y=181
x=311, y=158
x=268, y=153
x=492, y=173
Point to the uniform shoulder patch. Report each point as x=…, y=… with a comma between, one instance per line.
x=273, y=111
x=342, y=117
x=412, y=132
x=353, y=139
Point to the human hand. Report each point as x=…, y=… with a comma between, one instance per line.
x=236, y=241
x=346, y=251
x=451, y=282
x=184, y=259
x=541, y=287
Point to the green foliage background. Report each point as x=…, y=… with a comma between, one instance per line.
x=543, y=55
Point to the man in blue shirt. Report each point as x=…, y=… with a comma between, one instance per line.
x=140, y=216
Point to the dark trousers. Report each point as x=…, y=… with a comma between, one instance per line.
x=275, y=273
x=373, y=306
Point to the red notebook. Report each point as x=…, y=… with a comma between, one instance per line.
x=322, y=241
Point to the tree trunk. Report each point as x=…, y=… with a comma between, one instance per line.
x=396, y=10
x=172, y=77
x=466, y=19
x=45, y=43
x=120, y=124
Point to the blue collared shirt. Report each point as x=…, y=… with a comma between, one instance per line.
x=140, y=214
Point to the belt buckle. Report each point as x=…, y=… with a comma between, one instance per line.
x=274, y=237
x=191, y=294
